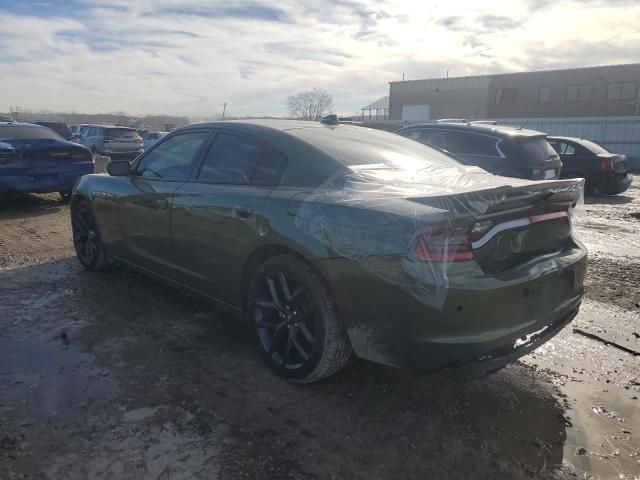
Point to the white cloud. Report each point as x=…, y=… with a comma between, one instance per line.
x=190, y=56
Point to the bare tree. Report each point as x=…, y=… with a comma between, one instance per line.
x=310, y=104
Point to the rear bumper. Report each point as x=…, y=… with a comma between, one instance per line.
x=611, y=184
x=477, y=321
x=46, y=180
x=493, y=361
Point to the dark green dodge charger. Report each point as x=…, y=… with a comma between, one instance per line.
x=328, y=239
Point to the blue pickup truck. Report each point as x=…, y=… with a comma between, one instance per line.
x=35, y=159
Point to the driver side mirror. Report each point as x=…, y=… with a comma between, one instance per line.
x=119, y=168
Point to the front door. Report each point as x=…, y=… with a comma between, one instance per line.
x=217, y=216
x=145, y=204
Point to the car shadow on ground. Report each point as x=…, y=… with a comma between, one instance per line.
x=607, y=199
x=24, y=205
x=162, y=351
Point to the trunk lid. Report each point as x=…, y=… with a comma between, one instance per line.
x=611, y=162
x=26, y=156
x=507, y=225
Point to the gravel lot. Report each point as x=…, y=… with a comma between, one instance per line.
x=114, y=376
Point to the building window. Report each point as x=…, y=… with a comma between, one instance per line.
x=579, y=93
x=544, y=96
x=505, y=96
x=621, y=91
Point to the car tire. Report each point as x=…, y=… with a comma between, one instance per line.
x=87, y=240
x=296, y=321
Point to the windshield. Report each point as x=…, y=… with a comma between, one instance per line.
x=26, y=132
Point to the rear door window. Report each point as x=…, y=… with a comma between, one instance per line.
x=465, y=143
x=238, y=160
x=563, y=148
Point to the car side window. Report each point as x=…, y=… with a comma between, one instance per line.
x=436, y=139
x=471, y=144
x=269, y=169
x=172, y=159
x=413, y=134
x=566, y=149
x=231, y=159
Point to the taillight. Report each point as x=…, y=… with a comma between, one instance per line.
x=606, y=164
x=108, y=139
x=81, y=156
x=7, y=155
x=448, y=245
x=58, y=155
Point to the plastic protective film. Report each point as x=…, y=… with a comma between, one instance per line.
x=413, y=227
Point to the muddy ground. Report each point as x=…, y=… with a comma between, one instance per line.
x=112, y=376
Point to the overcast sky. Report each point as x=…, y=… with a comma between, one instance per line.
x=188, y=57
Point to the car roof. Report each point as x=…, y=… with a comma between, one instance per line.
x=347, y=145
x=485, y=128
x=569, y=139
x=22, y=124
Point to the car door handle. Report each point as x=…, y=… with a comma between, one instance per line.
x=242, y=211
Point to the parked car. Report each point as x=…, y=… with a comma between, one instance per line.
x=122, y=143
x=605, y=173
x=150, y=138
x=333, y=238
x=502, y=150
x=60, y=128
x=35, y=159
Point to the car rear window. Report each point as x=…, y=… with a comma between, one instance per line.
x=593, y=147
x=354, y=146
x=22, y=132
x=60, y=128
x=123, y=133
x=537, y=148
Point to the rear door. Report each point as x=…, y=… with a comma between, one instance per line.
x=145, y=201
x=217, y=216
x=475, y=149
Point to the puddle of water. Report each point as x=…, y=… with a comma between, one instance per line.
x=605, y=437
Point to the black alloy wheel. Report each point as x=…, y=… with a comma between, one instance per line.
x=86, y=238
x=295, y=320
x=285, y=320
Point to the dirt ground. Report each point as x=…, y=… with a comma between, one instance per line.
x=112, y=376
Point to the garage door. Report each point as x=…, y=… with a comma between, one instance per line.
x=416, y=113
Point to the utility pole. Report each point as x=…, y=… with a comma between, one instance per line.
x=224, y=109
